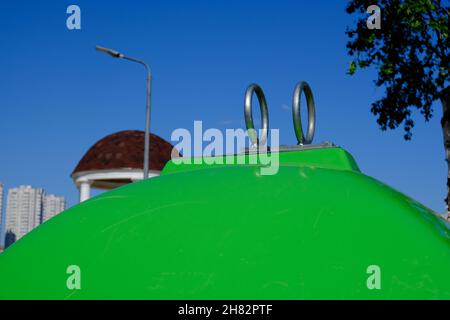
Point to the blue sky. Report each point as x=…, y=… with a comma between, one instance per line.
x=58, y=96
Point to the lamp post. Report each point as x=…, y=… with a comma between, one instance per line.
x=116, y=54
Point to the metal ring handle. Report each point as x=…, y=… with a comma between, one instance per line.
x=249, y=117
x=299, y=88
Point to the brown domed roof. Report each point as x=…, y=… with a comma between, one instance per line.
x=125, y=149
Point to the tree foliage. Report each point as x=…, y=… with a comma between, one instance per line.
x=411, y=52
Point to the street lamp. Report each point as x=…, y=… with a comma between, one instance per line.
x=116, y=54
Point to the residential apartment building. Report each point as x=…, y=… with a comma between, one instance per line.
x=1, y=205
x=52, y=206
x=23, y=210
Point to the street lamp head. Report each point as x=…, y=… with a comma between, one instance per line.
x=111, y=52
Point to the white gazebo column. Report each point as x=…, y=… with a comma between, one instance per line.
x=85, y=190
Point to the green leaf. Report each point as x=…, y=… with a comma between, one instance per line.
x=352, y=68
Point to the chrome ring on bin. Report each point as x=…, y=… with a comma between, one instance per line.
x=303, y=86
x=254, y=88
